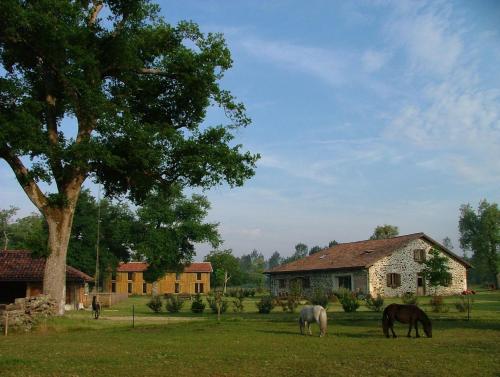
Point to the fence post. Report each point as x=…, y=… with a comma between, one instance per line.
x=6, y=328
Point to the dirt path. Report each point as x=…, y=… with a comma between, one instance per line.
x=151, y=319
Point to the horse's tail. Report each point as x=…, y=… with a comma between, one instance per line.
x=385, y=321
x=323, y=321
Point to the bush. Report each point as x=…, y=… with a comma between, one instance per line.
x=174, y=304
x=212, y=302
x=238, y=306
x=197, y=306
x=348, y=300
x=265, y=305
x=155, y=304
x=319, y=297
x=376, y=304
x=410, y=298
x=437, y=304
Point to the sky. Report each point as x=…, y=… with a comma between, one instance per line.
x=364, y=112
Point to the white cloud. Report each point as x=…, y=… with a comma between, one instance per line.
x=428, y=36
x=374, y=60
x=322, y=63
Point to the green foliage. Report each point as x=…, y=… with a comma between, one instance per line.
x=212, y=303
x=410, y=298
x=480, y=233
x=197, y=306
x=436, y=271
x=376, y=304
x=437, y=304
x=301, y=251
x=5, y=220
x=224, y=261
x=25, y=233
x=319, y=297
x=265, y=304
x=155, y=304
x=252, y=267
x=464, y=303
x=238, y=305
x=348, y=300
x=174, y=303
x=384, y=231
x=168, y=226
x=274, y=260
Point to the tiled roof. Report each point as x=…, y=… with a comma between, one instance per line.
x=18, y=265
x=354, y=255
x=143, y=266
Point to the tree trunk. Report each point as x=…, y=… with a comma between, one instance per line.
x=59, y=222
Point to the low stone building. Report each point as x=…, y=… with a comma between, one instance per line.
x=390, y=267
x=21, y=275
x=195, y=278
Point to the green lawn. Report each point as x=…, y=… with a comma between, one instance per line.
x=251, y=344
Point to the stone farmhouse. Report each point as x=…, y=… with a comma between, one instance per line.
x=21, y=275
x=129, y=279
x=389, y=267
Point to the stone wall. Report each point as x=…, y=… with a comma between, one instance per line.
x=402, y=262
x=25, y=312
x=325, y=280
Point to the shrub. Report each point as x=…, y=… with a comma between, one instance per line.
x=212, y=302
x=376, y=304
x=155, y=304
x=348, y=300
x=238, y=306
x=319, y=297
x=410, y=298
x=437, y=304
x=265, y=305
x=197, y=306
x=174, y=304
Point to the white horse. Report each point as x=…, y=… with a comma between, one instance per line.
x=311, y=313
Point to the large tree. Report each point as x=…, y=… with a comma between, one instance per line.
x=480, y=232
x=107, y=89
x=384, y=231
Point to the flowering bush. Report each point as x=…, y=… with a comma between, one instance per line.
x=469, y=292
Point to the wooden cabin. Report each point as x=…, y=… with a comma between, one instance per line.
x=129, y=278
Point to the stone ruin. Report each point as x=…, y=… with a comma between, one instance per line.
x=24, y=313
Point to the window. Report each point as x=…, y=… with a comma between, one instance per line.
x=393, y=280
x=449, y=282
x=177, y=276
x=177, y=288
x=419, y=255
x=345, y=282
x=198, y=276
x=306, y=282
x=198, y=287
x=144, y=288
x=130, y=276
x=282, y=283
x=129, y=287
x=113, y=287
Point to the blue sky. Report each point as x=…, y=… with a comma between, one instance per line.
x=365, y=113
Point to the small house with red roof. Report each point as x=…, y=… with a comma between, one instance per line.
x=129, y=278
x=21, y=275
x=389, y=267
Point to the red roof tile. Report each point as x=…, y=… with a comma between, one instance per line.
x=353, y=255
x=143, y=266
x=18, y=265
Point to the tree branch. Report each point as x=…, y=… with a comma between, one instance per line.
x=22, y=176
x=152, y=71
x=96, y=9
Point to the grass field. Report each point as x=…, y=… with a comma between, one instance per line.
x=251, y=344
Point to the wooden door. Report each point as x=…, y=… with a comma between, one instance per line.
x=420, y=285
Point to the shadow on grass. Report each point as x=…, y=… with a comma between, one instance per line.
x=280, y=332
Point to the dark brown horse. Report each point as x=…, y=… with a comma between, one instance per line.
x=411, y=314
x=96, y=307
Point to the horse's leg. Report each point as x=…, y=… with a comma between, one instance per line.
x=309, y=328
x=391, y=326
x=409, y=328
x=416, y=330
x=301, y=324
